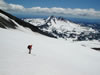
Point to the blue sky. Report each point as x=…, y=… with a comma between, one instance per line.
x=89, y=9
x=58, y=3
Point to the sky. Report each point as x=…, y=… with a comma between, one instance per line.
x=89, y=9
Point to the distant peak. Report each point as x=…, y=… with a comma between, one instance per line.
x=61, y=18
x=51, y=17
x=54, y=17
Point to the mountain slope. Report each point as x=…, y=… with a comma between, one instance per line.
x=62, y=28
x=6, y=22
x=49, y=56
x=10, y=21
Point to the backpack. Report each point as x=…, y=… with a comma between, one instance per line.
x=29, y=46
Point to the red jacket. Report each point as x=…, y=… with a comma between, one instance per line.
x=29, y=47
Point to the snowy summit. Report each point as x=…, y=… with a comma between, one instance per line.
x=62, y=28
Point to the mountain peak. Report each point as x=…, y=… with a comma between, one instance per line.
x=50, y=17
x=54, y=18
x=61, y=18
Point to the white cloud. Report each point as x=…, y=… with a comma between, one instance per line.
x=77, y=12
x=11, y=7
x=16, y=7
x=3, y=5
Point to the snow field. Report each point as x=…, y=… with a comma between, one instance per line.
x=49, y=56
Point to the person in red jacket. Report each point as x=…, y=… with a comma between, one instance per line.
x=30, y=48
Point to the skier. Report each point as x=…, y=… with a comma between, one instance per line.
x=30, y=48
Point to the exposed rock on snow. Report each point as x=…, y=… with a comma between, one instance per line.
x=62, y=28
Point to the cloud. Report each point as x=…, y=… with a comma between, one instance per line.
x=10, y=7
x=3, y=5
x=16, y=7
x=76, y=12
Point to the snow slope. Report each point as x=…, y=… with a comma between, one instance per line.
x=49, y=56
x=5, y=17
x=59, y=24
x=62, y=28
x=36, y=21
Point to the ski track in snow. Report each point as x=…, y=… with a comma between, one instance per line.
x=49, y=56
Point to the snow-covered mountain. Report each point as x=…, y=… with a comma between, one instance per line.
x=49, y=56
x=35, y=21
x=9, y=21
x=60, y=27
x=52, y=27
